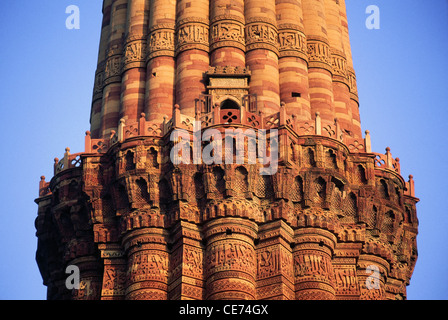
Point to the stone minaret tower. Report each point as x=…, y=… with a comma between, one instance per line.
x=334, y=221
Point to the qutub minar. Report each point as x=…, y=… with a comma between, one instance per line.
x=334, y=221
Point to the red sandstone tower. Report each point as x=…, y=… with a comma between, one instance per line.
x=334, y=221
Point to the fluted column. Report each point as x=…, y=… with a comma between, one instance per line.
x=313, y=270
x=319, y=67
x=354, y=101
x=293, y=61
x=262, y=53
x=134, y=70
x=110, y=110
x=97, y=99
x=192, y=52
x=341, y=87
x=227, y=47
x=230, y=260
x=148, y=264
x=161, y=68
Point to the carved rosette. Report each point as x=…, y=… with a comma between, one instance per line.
x=161, y=41
x=292, y=41
x=227, y=31
x=261, y=34
x=134, y=53
x=319, y=54
x=192, y=33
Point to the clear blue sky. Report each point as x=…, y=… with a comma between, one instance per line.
x=47, y=74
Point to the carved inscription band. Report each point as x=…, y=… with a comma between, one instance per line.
x=319, y=54
x=339, y=64
x=161, y=41
x=226, y=31
x=112, y=69
x=292, y=42
x=192, y=34
x=134, y=54
x=261, y=34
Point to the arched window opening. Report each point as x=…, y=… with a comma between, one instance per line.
x=229, y=104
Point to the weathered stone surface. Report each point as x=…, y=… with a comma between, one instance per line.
x=334, y=221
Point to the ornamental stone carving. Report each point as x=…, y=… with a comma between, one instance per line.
x=112, y=70
x=292, y=42
x=319, y=54
x=161, y=41
x=192, y=34
x=339, y=64
x=261, y=34
x=333, y=220
x=134, y=54
x=227, y=33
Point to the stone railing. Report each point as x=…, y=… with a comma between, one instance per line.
x=125, y=131
x=281, y=118
x=218, y=116
x=386, y=161
x=410, y=187
x=69, y=161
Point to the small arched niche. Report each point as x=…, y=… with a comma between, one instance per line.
x=229, y=104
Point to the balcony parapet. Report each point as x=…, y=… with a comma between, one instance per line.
x=228, y=117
